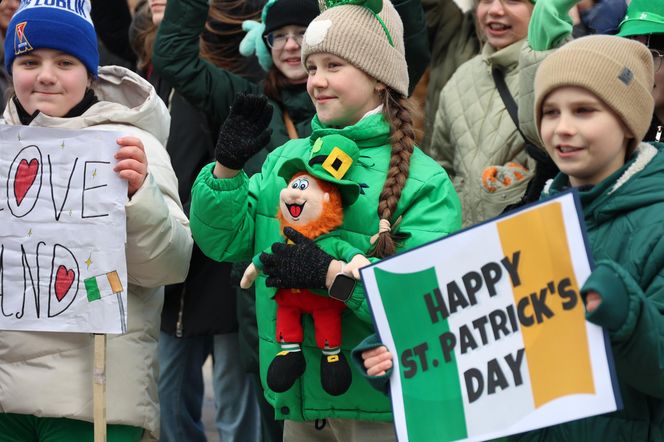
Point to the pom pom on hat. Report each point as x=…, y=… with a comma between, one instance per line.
x=64, y=26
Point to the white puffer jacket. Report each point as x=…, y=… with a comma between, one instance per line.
x=50, y=374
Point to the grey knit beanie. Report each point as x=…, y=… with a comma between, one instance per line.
x=369, y=35
x=617, y=70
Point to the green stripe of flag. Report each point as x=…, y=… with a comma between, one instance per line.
x=432, y=399
x=92, y=289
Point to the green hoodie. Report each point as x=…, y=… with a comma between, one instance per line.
x=233, y=219
x=624, y=216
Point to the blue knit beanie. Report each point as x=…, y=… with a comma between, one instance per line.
x=63, y=25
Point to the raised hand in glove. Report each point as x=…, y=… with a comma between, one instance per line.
x=299, y=265
x=245, y=130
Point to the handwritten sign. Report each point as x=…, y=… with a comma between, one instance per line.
x=488, y=329
x=62, y=256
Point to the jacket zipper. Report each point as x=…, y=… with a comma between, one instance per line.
x=659, y=133
x=178, y=325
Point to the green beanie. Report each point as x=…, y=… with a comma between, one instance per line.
x=643, y=17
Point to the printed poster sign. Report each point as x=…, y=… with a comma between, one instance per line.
x=62, y=241
x=488, y=331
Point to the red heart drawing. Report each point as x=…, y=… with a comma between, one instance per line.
x=25, y=176
x=63, y=281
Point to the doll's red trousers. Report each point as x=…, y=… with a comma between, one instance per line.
x=326, y=313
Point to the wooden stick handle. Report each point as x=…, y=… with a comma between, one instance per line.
x=99, y=388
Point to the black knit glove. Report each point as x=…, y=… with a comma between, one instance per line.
x=300, y=265
x=245, y=131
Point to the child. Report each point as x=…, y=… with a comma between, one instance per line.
x=592, y=105
x=358, y=79
x=51, y=54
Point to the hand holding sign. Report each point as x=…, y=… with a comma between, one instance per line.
x=592, y=301
x=377, y=361
x=132, y=163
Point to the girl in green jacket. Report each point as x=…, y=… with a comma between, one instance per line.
x=358, y=81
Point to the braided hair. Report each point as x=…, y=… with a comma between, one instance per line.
x=396, y=110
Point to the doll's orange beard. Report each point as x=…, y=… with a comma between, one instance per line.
x=330, y=219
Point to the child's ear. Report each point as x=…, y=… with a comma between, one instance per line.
x=380, y=87
x=326, y=197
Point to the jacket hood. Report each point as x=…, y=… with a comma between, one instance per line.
x=124, y=98
x=637, y=184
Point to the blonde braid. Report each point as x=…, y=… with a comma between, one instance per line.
x=402, y=139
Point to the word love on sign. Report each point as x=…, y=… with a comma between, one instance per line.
x=63, y=223
x=488, y=331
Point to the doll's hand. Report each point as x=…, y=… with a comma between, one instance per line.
x=245, y=131
x=299, y=265
x=132, y=163
x=355, y=264
x=377, y=361
x=249, y=276
x=592, y=301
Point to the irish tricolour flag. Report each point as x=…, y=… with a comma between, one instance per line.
x=103, y=285
x=488, y=331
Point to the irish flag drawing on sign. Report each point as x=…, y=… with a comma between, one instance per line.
x=106, y=284
x=488, y=331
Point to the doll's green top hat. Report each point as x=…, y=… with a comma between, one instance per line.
x=330, y=159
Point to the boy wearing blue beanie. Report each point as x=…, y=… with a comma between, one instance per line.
x=46, y=378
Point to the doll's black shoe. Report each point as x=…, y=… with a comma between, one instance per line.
x=284, y=370
x=335, y=375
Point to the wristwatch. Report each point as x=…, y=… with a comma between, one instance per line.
x=342, y=286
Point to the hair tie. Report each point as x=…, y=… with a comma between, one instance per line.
x=383, y=226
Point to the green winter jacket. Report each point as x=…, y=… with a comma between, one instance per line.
x=232, y=219
x=624, y=216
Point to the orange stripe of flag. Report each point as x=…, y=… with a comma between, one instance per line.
x=556, y=348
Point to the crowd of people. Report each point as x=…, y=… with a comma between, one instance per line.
x=218, y=101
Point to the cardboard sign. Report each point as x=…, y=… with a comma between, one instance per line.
x=488, y=330
x=62, y=242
